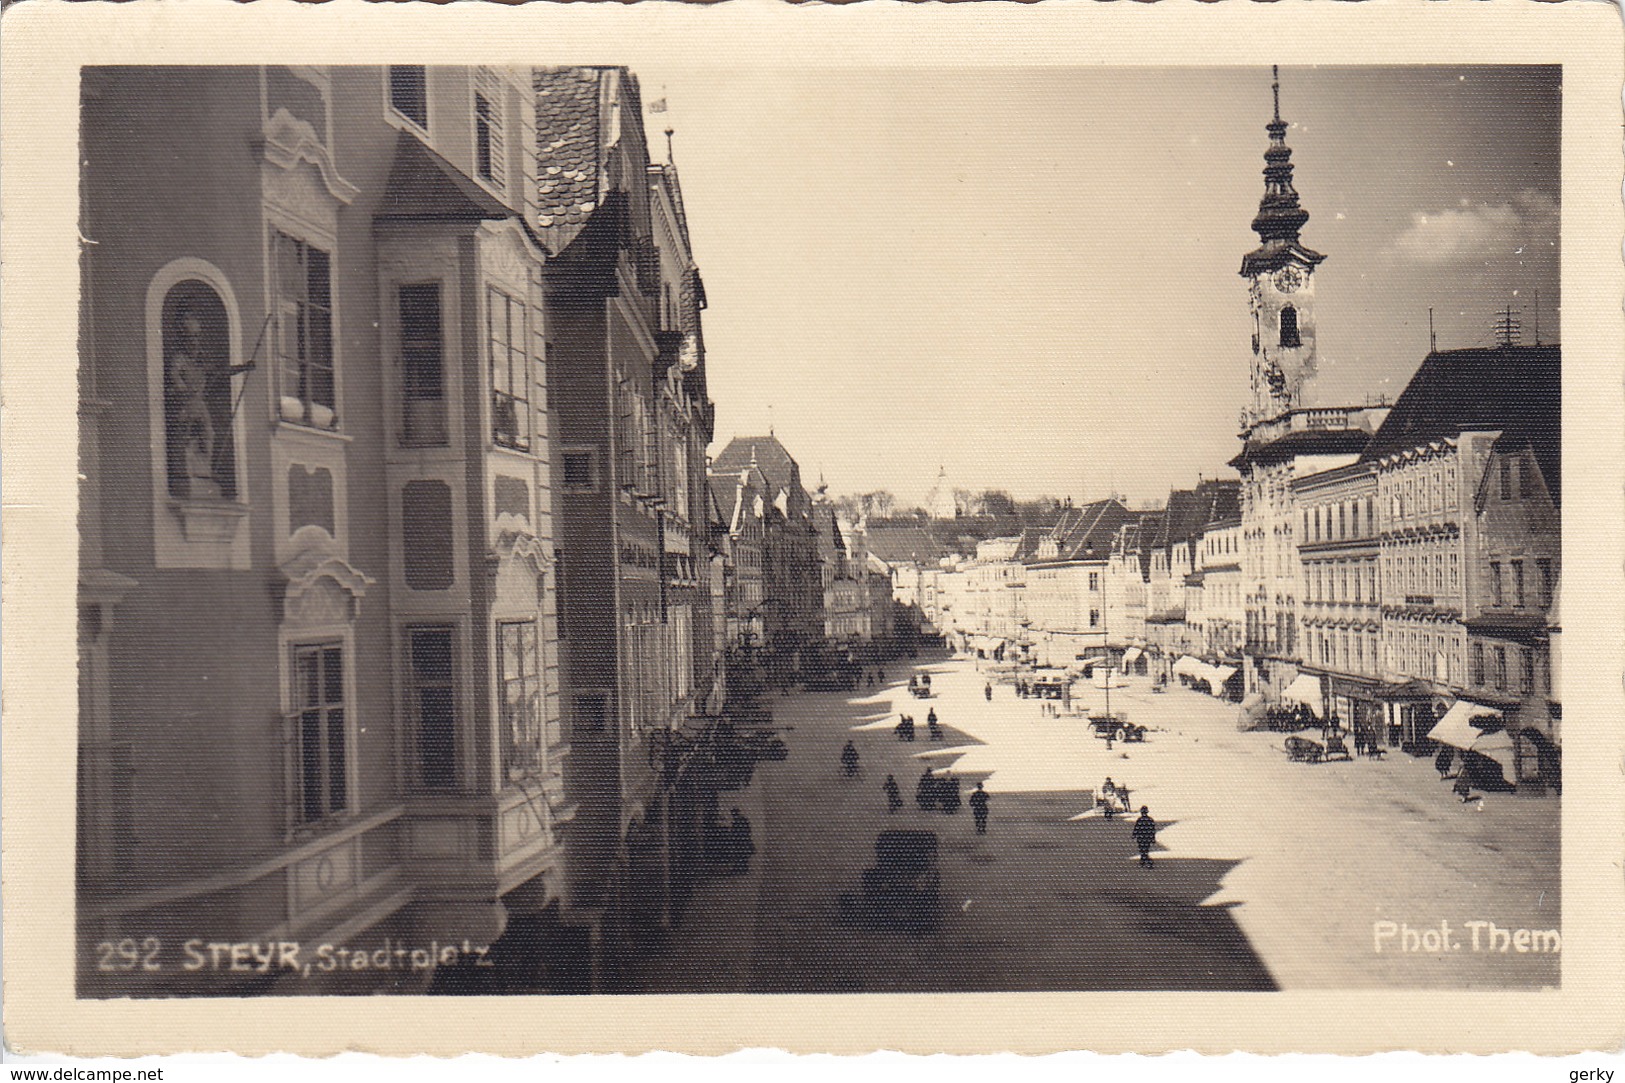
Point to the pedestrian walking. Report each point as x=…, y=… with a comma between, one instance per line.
x=1108, y=795
x=1145, y=833
x=1441, y=762
x=925, y=794
x=987, y=690
x=978, y=808
x=894, y=798
x=849, y=759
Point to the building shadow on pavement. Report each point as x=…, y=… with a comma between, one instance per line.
x=1040, y=903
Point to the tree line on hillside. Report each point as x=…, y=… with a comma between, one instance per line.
x=990, y=513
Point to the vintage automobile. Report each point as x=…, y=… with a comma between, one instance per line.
x=903, y=888
x=1117, y=727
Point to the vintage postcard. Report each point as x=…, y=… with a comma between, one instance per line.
x=521, y=523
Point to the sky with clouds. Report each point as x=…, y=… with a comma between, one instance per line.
x=1029, y=276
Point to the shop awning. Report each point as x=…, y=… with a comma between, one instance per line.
x=1305, y=689
x=1188, y=666
x=1410, y=690
x=1456, y=727
x=1217, y=675
x=1498, y=747
x=1131, y=656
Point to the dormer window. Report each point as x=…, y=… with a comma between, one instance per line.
x=409, y=92
x=1289, y=327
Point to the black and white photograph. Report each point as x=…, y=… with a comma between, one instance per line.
x=664, y=526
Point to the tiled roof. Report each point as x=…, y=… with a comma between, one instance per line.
x=567, y=147
x=772, y=459
x=1086, y=532
x=1516, y=389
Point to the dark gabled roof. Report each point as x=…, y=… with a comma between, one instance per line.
x=424, y=186
x=771, y=458
x=905, y=544
x=830, y=542
x=1514, y=389
x=1086, y=532
x=1185, y=516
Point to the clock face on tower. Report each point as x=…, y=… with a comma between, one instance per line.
x=1288, y=279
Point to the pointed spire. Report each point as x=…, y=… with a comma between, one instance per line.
x=1279, y=218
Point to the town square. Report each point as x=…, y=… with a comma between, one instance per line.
x=582, y=529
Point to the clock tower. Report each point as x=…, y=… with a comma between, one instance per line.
x=1281, y=285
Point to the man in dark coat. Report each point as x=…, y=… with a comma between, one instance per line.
x=978, y=808
x=894, y=799
x=1145, y=833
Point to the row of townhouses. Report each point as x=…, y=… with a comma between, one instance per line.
x=1381, y=565
x=407, y=592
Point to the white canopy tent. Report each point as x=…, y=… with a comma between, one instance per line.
x=1455, y=728
x=1188, y=666
x=1498, y=747
x=1305, y=689
x=1216, y=676
x=1132, y=655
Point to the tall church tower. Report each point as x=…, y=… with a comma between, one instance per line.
x=1281, y=285
x=940, y=502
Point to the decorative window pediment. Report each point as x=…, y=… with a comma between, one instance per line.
x=288, y=140
x=322, y=589
x=517, y=545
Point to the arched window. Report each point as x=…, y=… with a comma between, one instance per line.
x=1289, y=326
x=200, y=458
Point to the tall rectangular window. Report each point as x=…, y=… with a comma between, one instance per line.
x=423, y=405
x=432, y=701
x=409, y=92
x=321, y=775
x=510, y=403
x=520, y=691
x=1526, y=486
x=1517, y=583
x=304, y=330
x=1506, y=479
x=1544, y=567
x=1526, y=671
x=488, y=133
x=1475, y=664
x=1498, y=675
x=1497, y=592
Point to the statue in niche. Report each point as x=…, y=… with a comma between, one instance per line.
x=198, y=403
